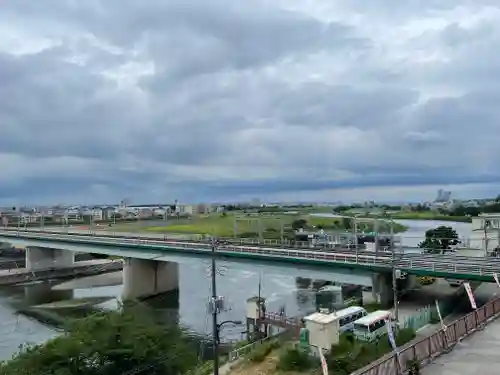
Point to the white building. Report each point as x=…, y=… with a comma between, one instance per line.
x=485, y=232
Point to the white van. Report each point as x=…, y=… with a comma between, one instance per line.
x=371, y=326
x=348, y=316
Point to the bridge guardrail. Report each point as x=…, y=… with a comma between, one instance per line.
x=426, y=349
x=434, y=263
x=342, y=257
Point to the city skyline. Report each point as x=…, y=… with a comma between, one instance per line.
x=225, y=101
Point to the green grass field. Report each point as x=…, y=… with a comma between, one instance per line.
x=223, y=226
x=247, y=225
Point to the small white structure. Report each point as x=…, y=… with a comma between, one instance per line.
x=485, y=234
x=323, y=330
x=255, y=308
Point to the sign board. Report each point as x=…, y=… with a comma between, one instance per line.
x=495, y=276
x=324, y=365
x=443, y=326
x=390, y=333
x=472, y=300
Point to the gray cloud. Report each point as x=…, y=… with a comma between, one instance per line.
x=216, y=99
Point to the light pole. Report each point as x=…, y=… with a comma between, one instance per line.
x=355, y=232
x=486, y=225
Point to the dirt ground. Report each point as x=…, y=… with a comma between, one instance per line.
x=267, y=367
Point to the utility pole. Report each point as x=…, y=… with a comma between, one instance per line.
x=355, y=230
x=486, y=225
x=215, y=328
x=394, y=276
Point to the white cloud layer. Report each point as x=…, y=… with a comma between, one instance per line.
x=220, y=99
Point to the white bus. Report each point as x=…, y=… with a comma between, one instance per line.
x=348, y=316
x=371, y=326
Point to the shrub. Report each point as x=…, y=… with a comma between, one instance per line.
x=413, y=367
x=293, y=359
x=345, y=344
x=404, y=336
x=434, y=317
x=262, y=351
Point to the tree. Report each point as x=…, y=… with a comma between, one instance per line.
x=299, y=224
x=346, y=223
x=439, y=239
x=108, y=344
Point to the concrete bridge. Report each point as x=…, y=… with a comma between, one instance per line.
x=145, y=275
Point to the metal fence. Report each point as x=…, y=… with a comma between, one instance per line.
x=420, y=319
x=244, y=350
x=424, y=350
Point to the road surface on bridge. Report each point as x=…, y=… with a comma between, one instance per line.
x=471, y=268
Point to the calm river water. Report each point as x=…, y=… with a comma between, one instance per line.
x=236, y=282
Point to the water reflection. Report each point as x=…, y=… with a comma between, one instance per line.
x=289, y=287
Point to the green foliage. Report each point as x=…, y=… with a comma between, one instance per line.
x=371, y=307
x=299, y=224
x=413, y=367
x=108, y=344
x=262, y=351
x=439, y=239
x=404, y=336
x=350, y=355
x=294, y=359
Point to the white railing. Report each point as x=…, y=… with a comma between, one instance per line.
x=431, y=262
x=244, y=350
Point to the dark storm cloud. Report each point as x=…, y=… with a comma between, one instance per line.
x=201, y=99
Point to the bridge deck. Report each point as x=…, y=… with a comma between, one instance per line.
x=450, y=266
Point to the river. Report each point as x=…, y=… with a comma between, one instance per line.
x=236, y=282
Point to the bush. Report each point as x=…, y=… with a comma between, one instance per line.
x=371, y=307
x=434, y=317
x=293, y=359
x=262, y=351
x=413, y=367
x=404, y=336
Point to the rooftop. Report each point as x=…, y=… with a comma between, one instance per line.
x=321, y=318
x=490, y=215
x=376, y=315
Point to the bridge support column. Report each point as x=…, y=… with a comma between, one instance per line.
x=42, y=258
x=382, y=289
x=147, y=278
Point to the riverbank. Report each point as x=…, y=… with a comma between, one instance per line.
x=430, y=216
x=249, y=225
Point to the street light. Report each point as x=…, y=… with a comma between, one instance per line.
x=219, y=327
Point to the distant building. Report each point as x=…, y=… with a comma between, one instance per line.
x=443, y=196
x=485, y=232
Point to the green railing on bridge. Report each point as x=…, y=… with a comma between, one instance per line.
x=424, y=265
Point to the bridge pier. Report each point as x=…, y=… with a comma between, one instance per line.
x=382, y=289
x=42, y=258
x=38, y=294
x=146, y=278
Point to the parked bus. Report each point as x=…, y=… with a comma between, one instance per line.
x=372, y=326
x=348, y=316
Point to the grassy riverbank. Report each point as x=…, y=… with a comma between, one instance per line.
x=428, y=215
x=223, y=225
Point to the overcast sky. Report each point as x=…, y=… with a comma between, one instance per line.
x=224, y=100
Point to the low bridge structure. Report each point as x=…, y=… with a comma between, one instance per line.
x=145, y=277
